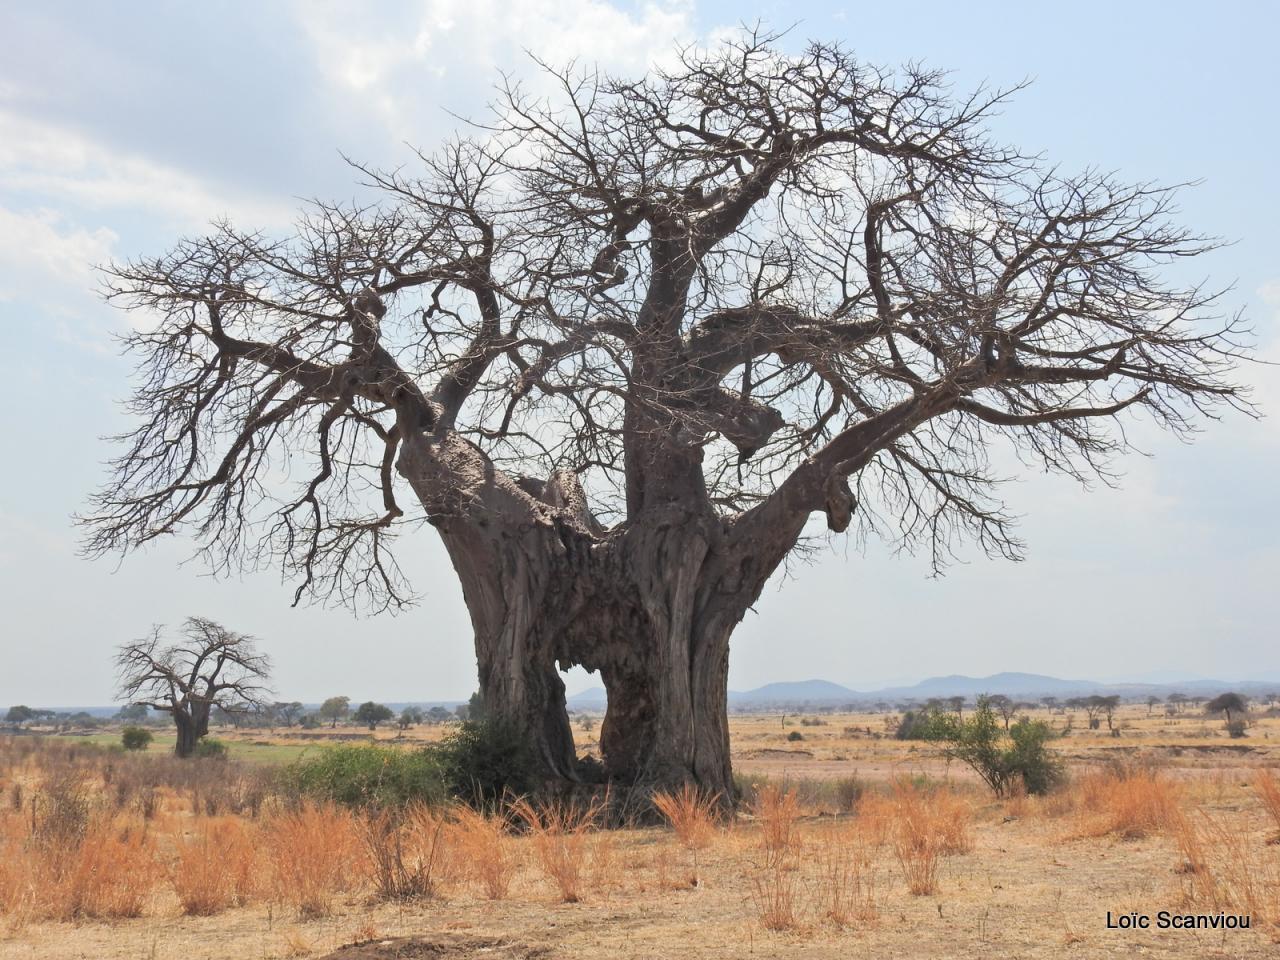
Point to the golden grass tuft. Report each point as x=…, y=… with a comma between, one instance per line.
x=1268, y=789
x=560, y=832
x=847, y=863
x=778, y=810
x=1127, y=803
x=109, y=873
x=217, y=869
x=312, y=851
x=1225, y=868
x=692, y=815
x=773, y=891
x=485, y=848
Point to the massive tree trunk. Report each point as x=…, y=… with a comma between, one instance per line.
x=650, y=604
x=187, y=735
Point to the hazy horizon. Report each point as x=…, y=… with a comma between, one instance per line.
x=1173, y=570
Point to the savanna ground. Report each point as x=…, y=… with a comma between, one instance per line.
x=851, y=844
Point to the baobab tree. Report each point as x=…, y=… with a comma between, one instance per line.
x=619, y=346
x=209, y=667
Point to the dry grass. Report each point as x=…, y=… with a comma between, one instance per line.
x=777, y=810
x=217, y=870
x=1268, y=790
x=109, y=873
x=312, y=852
x=561, y=834
x=773, y=891
x=692, y=815
x=410, y=853
x=483, y=845
x=822, y=887
x=1227, y=869
x=922, y=827
x=1130, y=803
x=847, y=878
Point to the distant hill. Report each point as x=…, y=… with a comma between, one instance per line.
x=595, y=697
x=795, y=691
x=1020, y=686
x=1009, y=684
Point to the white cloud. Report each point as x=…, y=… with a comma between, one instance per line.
x=40, y=250
x=409, y=69
x=69, y=169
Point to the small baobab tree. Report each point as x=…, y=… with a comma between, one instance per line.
x=208, y=667
x=621, y=344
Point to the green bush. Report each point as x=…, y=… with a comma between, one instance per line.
x=367, y=776
x=209, y=749
x=135, y=738
x=1003, y=759
x=485, y=760
x=914, y=725
x=795, y=735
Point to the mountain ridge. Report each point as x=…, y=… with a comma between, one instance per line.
x=1008, y=683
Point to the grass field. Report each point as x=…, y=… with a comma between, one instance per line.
x=856, y=845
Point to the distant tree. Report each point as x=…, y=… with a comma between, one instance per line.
x=371, y=714
x=309, y=721
x=1107, y=706
x=209, y=666
x=1050, y=703
x=1152, y=702
x=287, y=712
x=133, y=713
x=439, y=715
x=957, y=705
x=1177, y=700
x=475, y=706
x=1092, y=706
x=409, y=716
x=20, y=714
x=1004, y=706
x=82, y=718
x=135, y=738
x=335, y=709
x=1227, y=703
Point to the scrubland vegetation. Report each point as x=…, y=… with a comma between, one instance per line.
x=112, y=853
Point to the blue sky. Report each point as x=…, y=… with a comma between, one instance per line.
x=125, y=126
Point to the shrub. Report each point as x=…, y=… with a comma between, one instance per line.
x=1237, y=728
x=368, y=775
x=795, y=735
x=912, y=726
x=485, y=760
x=135, y=738
x=1004, y=760
x=208, y=749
